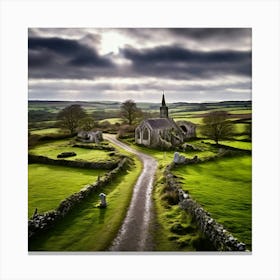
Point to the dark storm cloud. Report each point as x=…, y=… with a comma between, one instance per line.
x=57, y=57
x=53, y=57
x=176, y=62
x=89, y=87
x=215, y=38
x=57, y=45
x=201, y=63
x=212, y=33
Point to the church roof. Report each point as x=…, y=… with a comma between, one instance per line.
x=160, y=123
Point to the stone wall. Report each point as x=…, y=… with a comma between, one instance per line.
x=95, y=147
x=43, y=221
x=71, y=163
x=215, y=232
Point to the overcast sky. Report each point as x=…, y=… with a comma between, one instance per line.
x=189, y=64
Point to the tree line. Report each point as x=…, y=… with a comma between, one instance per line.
x=74, y=117
x=216, y=124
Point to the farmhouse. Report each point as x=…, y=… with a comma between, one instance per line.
x=90, y=136
x=164, y=131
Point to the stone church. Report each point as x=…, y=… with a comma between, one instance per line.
x=164, y=132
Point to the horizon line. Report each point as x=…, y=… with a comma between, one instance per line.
x=115, y=101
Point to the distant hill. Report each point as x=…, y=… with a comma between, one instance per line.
x=45, y=111
x=142, y=105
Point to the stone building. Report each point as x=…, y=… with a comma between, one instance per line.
x=164, y=131
x=90, y=136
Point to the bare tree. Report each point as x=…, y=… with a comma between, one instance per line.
x=130, y=112
x=70, y=116
x=217, y=126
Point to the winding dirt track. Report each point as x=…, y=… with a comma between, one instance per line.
x=134, y=233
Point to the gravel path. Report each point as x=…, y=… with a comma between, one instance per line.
x=134, y=234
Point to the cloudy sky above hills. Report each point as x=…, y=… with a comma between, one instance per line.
x=190, y=65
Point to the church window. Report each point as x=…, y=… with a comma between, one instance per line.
x=145, y=134
x=138, y=134
x=184, y=128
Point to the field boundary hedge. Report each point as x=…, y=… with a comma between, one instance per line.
x=72, y=163
x=221, y=239
x=41, y=222
x=232, y=149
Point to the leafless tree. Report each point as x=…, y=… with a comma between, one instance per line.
x=216, y=126
x=130, y=112
x=70, y=116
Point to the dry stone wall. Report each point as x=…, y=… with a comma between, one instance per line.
x=41, y=222
x=71, y=163
x=215, y=232
x=95, y=147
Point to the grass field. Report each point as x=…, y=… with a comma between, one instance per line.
x=240, y=127
x=113, y=120
x=48, y=185
x=87, y=227
x=223, y=188
x=165, y=157
x=234, y=144
x=194, y=120
x=46, y=131
x=52, y=148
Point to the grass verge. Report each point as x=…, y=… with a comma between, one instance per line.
x=175, y=230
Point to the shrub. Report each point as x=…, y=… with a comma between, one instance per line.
x=66, y=154
x=181, y=230
x=172, y=197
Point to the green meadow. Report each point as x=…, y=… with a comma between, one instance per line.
x=45, y=131
x=48, y=185
x=113, y=120
x=223, y=187
x=235, y=144
x=195, y=120
x=52, y=148
x=166, y=157
x=87, y=227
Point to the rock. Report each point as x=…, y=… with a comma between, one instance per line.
x=241, y=247
x=178, y=158
x=182, y=195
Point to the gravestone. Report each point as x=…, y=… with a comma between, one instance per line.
x=178, y=158
x=103, y=203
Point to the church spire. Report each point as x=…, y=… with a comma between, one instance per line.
x=163, y=108
x=163, y=100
